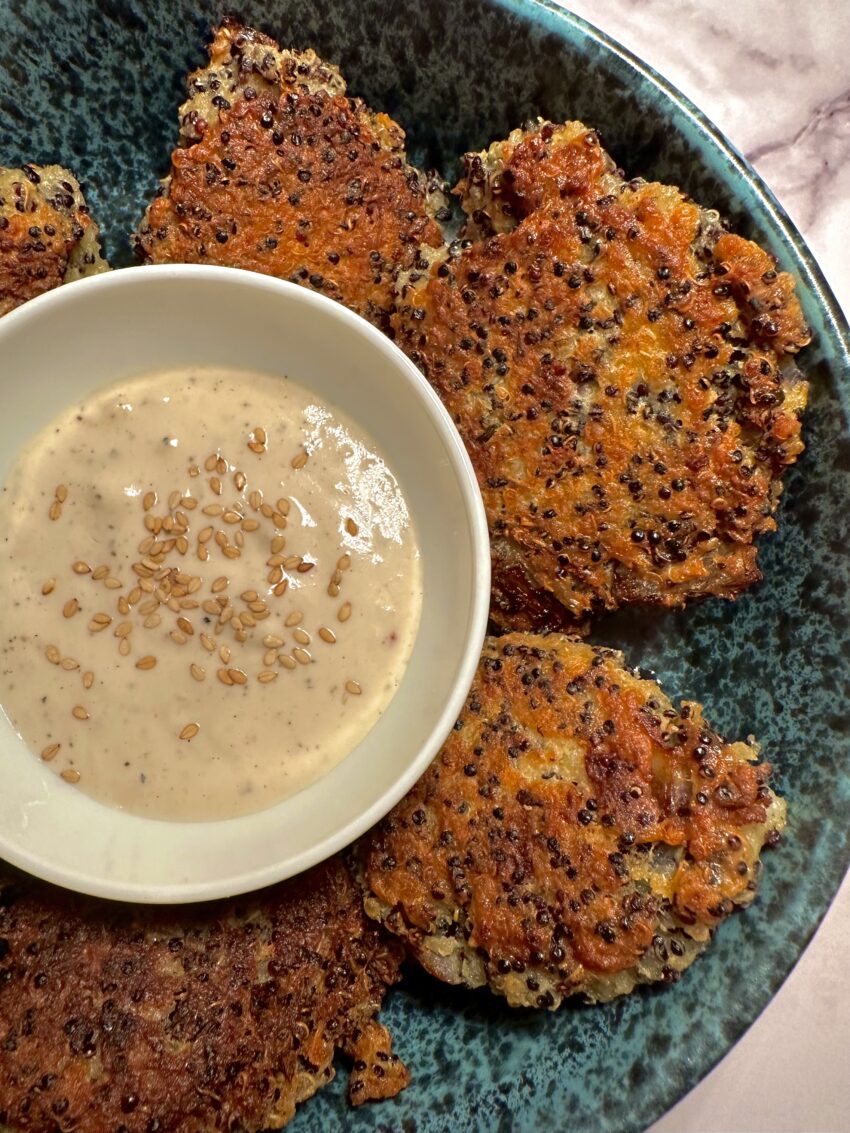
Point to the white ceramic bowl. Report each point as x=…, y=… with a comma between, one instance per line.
x=64, y=345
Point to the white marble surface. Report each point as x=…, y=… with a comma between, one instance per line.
x=774, y=75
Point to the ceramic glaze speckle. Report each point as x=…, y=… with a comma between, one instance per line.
x=775, y=664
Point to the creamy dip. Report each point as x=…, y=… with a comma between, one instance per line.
x=211, y=590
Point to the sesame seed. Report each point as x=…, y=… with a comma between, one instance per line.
x=101, y=572
x=266, y=675
x=240, y=480
x=112, y=584
x=224, y=653
x=99, y=623
x=207, y=643
x=210, y=462
x=250, y=525
x=70, y=608
x=353, y=687
x=293, y=619
x=70, y=775
x=220, y=584
x=123, y=628
x=189, y=503
x=148, y=500
x=299, y=461
x=49, y=586
x=224, y=677
x=189, y=732
x=344, y=612
x=174, y=499
x=255, y=499
x=327, y=635
x=52, y=654
x=283, y=505
x=301, y=656
x=197, y=671
x=177, y=637
x=351, y=527
x=281, y=588
x=61, y=493
x=80, y=567
x=344, y=562
x=147, y=662
x=49, y=752
x=304, y=567
x=287, y=662
x=79, y=713
x=215, y=484
x=302, y=637
x=55, y=510
x=69, y=664
x=212, y=509
x=124, y=647
x=88, y=679
x=186, y=626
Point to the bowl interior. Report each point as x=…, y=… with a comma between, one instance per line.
x=456, y=74
x=84, y=337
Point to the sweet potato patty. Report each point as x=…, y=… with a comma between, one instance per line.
x=280, y=173
x=575, y=835
x=222, y=1016
x=619, y=367
x=46, y=234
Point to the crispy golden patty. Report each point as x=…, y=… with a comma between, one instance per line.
x=280, y=173
x=575, y=835
x=222, y=1016
x=46, y=234
x=620, y=369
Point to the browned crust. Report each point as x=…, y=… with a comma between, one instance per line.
x=46, y=234
x=222, y=1016
x=297, y=182
x=619, y=368
x=576, y=834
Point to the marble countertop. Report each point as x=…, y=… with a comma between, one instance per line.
x=774, y=76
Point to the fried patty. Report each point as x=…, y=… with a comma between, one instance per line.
x=47, y=236
x=279, y=172
x=223, y=1016
x=621, y=369
x=575, y=835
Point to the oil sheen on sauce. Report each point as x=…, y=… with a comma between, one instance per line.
x=212, y=588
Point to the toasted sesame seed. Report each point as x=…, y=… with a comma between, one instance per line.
x=99, y=573
x=99, y=622
x=79, y=713
x=174, y=499
x=177, y=637
x=250, y=525
x=267, y=510
x=270, y=656
x=70, y=608
x=255, y=447
x=333, y=589
x=224, y=653
x=232, y=517
x=194, y=470
x=69, y=664
x=134, y=596
x=49, y=586
x=215, y=484
x=80, y=567
x=255, y=499
x=283, y=505
x=49, y=752
x=281, y=588
x=344, y=562
x=304, y=567
x=189, y=503
x=52, y=654
x=186, y=626
x=146, y=545
x=148, y=500
x=353, y=687
x=182, y=544
x=301, y=656
x=302, y=637
x=55, y=510
x=327, y=635
x=88, y=678
x=300, y=460
x=189, y=732
x=210, y=462
x=61, y=493
x=293, y=619
x=220, y=583
x=292, y=562
x=197, y=671
x=70, y=775
x=203, y=553
x=351, y=527
x=344, y=612
x=267, y=675
x=240, y=480
x=112, y=583
x=147, y=662
x=221, y=466
x=224, y=677
x=275, y=575
x=123, y=629
x=212, y=509
x=123, y=605
x=278, y=520
x=207, y=643
x=287, y=662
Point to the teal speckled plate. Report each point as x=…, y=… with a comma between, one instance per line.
x=95, y=84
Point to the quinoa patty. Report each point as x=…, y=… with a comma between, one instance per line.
x=279, y=172
x=620, y=367
x=223, y=1016
x=46, y=234
x=575, y=835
